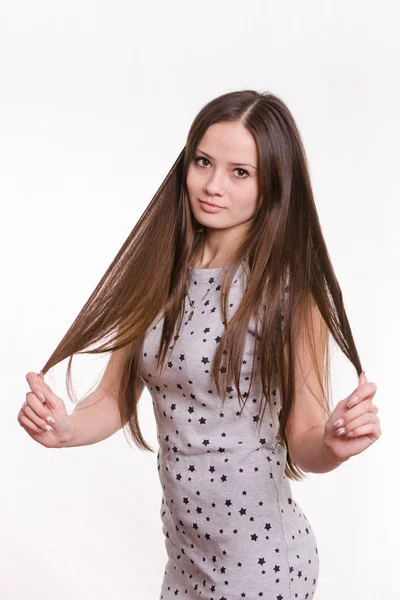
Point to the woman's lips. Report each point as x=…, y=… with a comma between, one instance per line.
x=210, y=207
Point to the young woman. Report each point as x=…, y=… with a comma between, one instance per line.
x=222, y=302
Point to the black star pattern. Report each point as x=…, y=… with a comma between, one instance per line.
x=226, y=501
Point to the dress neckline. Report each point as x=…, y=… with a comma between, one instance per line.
x=205, y=274
x=202, y=275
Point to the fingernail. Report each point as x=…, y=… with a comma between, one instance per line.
x=50, y=420
x=42, y=398
x=48, y=428
x=340, y=431
x=352, y=401
x=338, y=422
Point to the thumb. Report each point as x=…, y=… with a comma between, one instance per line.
x=362, y=378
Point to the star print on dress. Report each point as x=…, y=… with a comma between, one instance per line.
x=231, y=526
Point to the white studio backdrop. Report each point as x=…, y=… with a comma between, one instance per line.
x=96, y=101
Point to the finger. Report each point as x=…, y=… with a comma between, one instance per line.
x=35, y=419
x=370, y=428
x=366, y=390
x=35, y=384
x=40, y=387
x=365, y=406
x=27, y=424
x=36, y=405
x=362, y=378
x=354, y=397
x=361, y=420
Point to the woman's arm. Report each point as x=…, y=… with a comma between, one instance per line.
x=311, y=453
x=97, y=416
x=94, y=419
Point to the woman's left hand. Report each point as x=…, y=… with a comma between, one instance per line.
x=358, y=426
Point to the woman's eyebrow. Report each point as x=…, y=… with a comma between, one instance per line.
x=232, y=163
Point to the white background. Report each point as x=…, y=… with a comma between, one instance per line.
x=96, y=99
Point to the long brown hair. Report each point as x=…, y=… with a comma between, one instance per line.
x=284, y=250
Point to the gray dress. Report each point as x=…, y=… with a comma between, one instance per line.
x=232, y=527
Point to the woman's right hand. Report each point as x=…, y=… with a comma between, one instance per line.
x=35, y=415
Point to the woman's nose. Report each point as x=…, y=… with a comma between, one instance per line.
x=216, y=184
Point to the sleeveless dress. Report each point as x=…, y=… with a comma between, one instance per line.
x=232, y=527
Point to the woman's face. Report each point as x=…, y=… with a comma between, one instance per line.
x=213, y=177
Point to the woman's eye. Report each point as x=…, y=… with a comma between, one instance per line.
x=199, y=158
x=244, y=171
